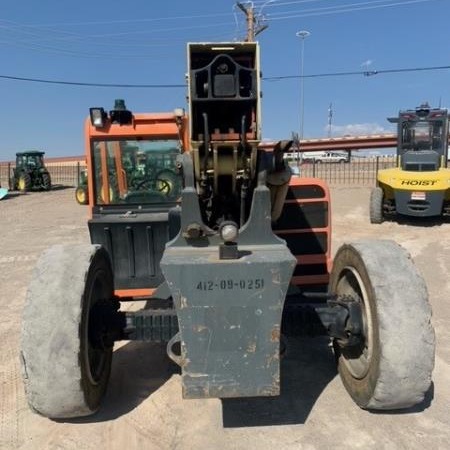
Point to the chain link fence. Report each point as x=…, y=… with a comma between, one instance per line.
x=358, y=172
x=62, y=174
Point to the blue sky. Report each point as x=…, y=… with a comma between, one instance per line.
x=144, y=42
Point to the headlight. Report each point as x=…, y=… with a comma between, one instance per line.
x=98, y=116
x=228, y=231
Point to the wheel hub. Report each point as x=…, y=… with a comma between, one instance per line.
x=357, y=358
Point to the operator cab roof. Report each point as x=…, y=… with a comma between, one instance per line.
x=31, y=153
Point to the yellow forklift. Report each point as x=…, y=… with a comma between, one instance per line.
x=419, y=185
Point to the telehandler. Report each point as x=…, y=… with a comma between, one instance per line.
x=420, y=184
x=231, y=253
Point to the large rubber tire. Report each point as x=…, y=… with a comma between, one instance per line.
x=392, y=367
x=112, y=196
x=81, y=195
x=65, y=367
x=168, y=183
x=24, y=182
x=376, y=205
x=46, y=182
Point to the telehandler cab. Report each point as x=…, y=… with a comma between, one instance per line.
x=230, y=251
x=420, y=184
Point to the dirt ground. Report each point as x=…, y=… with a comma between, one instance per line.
x=143, y=408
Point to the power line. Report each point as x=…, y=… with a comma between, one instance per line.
x=275, y=3
x=281, y=16
x=352, y=7
x=78, y=83
x=35, y=40
x=40, y=37
x=125, y=33
x=367, y=73
x=125, y=21
x=288, y=3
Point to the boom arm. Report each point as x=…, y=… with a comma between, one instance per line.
x=227, y=271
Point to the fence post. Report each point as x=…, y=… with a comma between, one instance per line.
x=78, y=173
x=377, y=165
x=9, y=177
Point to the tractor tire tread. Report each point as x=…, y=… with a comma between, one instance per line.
x=27, y=182
x=376, y=206
x=50, y=339
x=46, y=181
x=405, y=349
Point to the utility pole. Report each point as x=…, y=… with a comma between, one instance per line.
x=330, y=118
x=250, y=15
x=255, y=23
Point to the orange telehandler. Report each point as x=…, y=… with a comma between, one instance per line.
x=230, y=251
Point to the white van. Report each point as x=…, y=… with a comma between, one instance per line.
x=330, y=157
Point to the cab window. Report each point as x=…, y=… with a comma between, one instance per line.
x=136, y=171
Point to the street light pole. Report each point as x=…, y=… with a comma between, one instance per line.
x=302, y=34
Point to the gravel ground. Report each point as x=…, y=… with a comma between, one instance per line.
x=143, y=407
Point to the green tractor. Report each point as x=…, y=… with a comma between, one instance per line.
x=81, y=192
x=30, y=172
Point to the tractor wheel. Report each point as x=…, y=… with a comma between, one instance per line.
x=391, y=368
x=66, y=359
x=168, y=183
x=46, y=182
x=376, y=205
x=24, y=182
x=112, y=196
x=81, y=195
